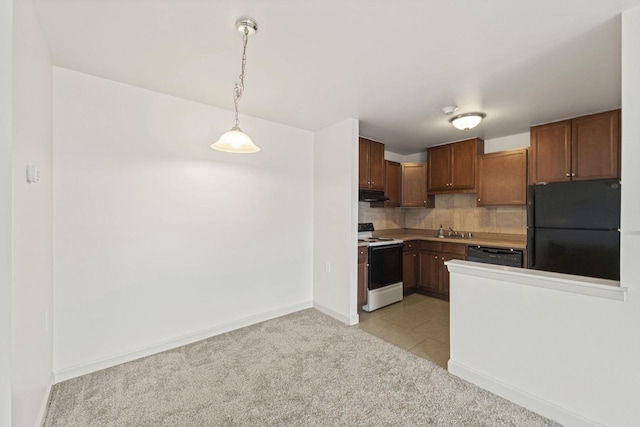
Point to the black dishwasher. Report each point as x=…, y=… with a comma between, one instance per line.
x=499, y=256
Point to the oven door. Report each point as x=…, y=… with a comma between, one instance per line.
x=385, y=265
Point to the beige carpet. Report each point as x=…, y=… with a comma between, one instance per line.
x=302, y=369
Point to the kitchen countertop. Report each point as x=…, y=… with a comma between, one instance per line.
x=511, y=241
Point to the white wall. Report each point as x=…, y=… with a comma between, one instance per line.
x=160, y=240
x=570, y=355
x=511, y=142
x=6, y=36
x=565, y=350
x=393, y=157
x=630, y=123
x=419, y=157
x=335, y=201
x=32, y=351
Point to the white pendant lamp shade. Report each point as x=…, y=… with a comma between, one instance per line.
x=467, y=121
x=235, y=141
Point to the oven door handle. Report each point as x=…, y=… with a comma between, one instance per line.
x=378, y=247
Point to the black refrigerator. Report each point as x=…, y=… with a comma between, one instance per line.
x=574, y=228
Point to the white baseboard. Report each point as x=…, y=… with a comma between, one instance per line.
x=44, y=406
x=349, y=320
x=113, y=360
x=520, y=397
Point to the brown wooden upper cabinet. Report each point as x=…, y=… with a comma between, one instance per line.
x=452, y=167
x=370, y=165
x=502, y=178
x=392, y=183
x=414, y=186
x=579, y=149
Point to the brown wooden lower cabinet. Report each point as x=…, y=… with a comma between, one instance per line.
x=410, y=266
x=363, y=278
x=433, y=276
x=444, y=271
x=429, y=271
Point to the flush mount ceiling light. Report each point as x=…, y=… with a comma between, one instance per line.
x=467, y=121
x=236, y=141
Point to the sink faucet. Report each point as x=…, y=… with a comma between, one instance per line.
x=455, y=233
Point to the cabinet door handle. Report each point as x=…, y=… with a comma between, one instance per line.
x=573, y=174
x=414, y=255
x=442, y=258
x=568, y=174
x=436, y=257
x=478, y=199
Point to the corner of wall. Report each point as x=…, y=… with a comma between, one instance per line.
x=335, y=219
x=6, y=40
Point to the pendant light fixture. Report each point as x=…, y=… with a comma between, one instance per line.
x=467, y=121
x=236, y=141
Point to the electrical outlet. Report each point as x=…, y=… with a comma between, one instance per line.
x=33, y=174
x=327, y=267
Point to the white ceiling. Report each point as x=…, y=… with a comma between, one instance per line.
x=391, y=64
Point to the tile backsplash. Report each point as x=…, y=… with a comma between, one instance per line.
x=382, y=218
x=458, y=211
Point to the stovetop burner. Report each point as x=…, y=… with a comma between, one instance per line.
x=365, y=231
x=375, y=239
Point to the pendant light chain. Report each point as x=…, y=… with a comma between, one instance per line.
x=239, y=87
x=234, y=140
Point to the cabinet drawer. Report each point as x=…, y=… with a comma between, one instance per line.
x=411, y=245
x=363, y=254
x=453, y=248
x=426, y=245
x=446, y=247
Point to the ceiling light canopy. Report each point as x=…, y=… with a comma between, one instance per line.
x=467, y=121
x=236, y=141
x=449, y=109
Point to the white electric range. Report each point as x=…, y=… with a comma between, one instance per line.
x=384, y=285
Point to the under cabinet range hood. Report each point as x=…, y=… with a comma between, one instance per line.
x=372, y=196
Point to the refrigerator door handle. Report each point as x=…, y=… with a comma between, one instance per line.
x=531, y=247
x=531, y=222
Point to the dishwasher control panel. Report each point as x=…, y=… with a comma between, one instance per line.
x=499, y=256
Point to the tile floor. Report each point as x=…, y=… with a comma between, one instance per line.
x=418, y=324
